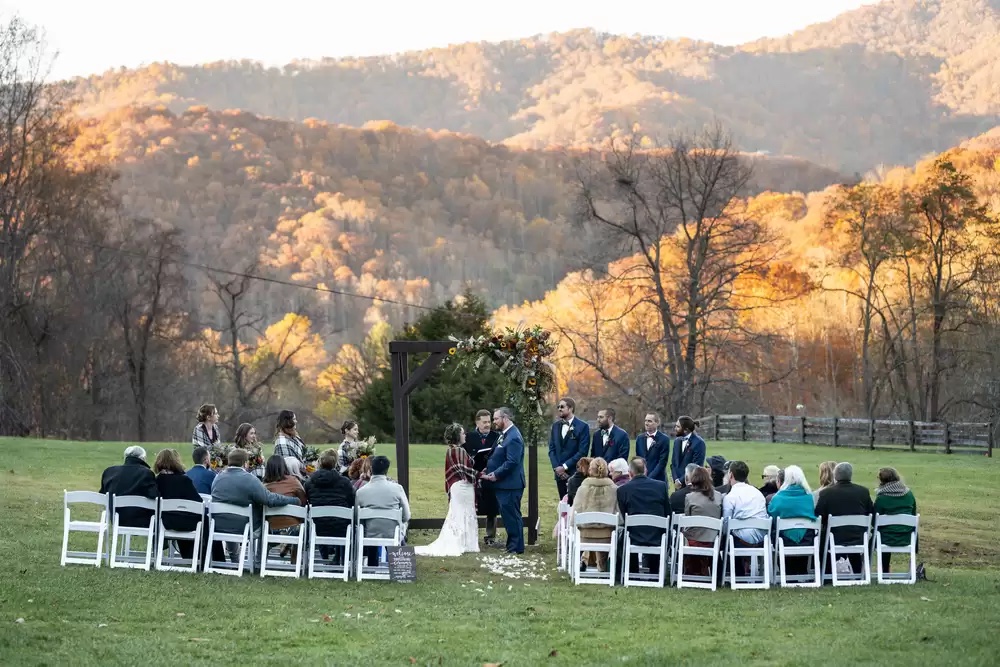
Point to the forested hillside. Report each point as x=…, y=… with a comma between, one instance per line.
x=377, y=211
x=888, y=83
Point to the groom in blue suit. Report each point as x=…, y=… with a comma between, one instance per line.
x=505, y=469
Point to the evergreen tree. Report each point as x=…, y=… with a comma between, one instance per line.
x=446, y=396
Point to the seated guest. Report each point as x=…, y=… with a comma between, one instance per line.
x=678, y=496
x=771, y=483
x=236, y=486
x=360, y=472
x=597, y=493
x=576, y=479
x=844, y=498
x=794, y=501
x=326, y=487
x=717, y=466
x=702, y=501
x=200, y=473
x=381, y=494
x=618, y=469
x=643, y=495
x=173, y=484
x=726, y=486
x=892, y=497
x=278, y=479
x=132, y=478
x=825, y=478
x=744, y=502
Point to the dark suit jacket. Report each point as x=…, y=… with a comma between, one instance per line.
x=202, y=478
x=656, y=453
x=507, y=462
x=474, y=444
x=695, y=453
x=842, y=499
x=618, y=444
x=642, y=495
x=567, y=452
x=132, y=478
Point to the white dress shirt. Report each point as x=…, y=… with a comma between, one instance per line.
x=745, y=502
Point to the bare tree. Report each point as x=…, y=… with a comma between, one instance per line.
x=870, y=220
x=149, y=307
x=235, y=347
x=681, y=210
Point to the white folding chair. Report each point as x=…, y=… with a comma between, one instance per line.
x=124, y=556
x=684, y=550
x=279, y=567
x=100, y=527
x=206, y=497
x=174, y=563
x=319, y=569
x=630, y=578
x=593, y=520
x=243, y=538
x=378, y=571
x=672, y=544
x=562, y=536
x=809, y=549
x=909, y=520
x=832, y=551
x=760, y=556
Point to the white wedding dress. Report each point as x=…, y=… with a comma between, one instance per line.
x=460, y=533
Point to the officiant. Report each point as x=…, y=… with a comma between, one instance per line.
x=480, y=443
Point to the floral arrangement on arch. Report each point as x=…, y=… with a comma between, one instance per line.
x=521, y=354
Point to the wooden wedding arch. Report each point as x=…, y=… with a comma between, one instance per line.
x=403, y=384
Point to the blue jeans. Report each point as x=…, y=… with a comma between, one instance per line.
x=509, y=501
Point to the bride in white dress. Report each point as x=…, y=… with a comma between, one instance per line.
x=460, y=533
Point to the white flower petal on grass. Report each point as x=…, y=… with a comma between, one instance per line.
x=19, y=620
x=399, y=611
x=102, y=625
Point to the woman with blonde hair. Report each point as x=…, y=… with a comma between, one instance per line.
x=825, y=478
x=597, y=493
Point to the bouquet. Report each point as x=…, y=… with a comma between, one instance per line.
x=366, y=447
x=309, y=456
x=220, y=455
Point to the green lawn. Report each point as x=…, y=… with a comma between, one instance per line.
x=457, y=613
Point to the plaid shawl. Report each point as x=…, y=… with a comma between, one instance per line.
x=457, y=467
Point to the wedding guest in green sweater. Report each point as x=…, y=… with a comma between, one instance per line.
x=893, y=497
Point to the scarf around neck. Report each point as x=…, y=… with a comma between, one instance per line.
x=892, y=489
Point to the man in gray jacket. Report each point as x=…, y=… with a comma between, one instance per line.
x=381, y=494
x=236, y=486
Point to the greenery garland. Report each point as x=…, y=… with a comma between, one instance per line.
x=521, y=354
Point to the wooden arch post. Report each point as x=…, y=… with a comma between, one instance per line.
x=402, y=385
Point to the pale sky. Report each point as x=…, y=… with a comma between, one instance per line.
x=92, y=36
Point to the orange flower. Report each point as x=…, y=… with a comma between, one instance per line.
x=532, y=382
x=452, y=351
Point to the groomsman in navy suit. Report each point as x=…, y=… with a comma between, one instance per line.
x=688, y=448
x=654, y=447
x=505, y=470
x=568, y=443
x=610, y=441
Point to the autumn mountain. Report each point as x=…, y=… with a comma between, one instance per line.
x=887, y=83
x=377, y=211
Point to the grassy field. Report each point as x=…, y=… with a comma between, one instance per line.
x=457, y=613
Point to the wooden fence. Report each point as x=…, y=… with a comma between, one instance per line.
x=943, y=437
